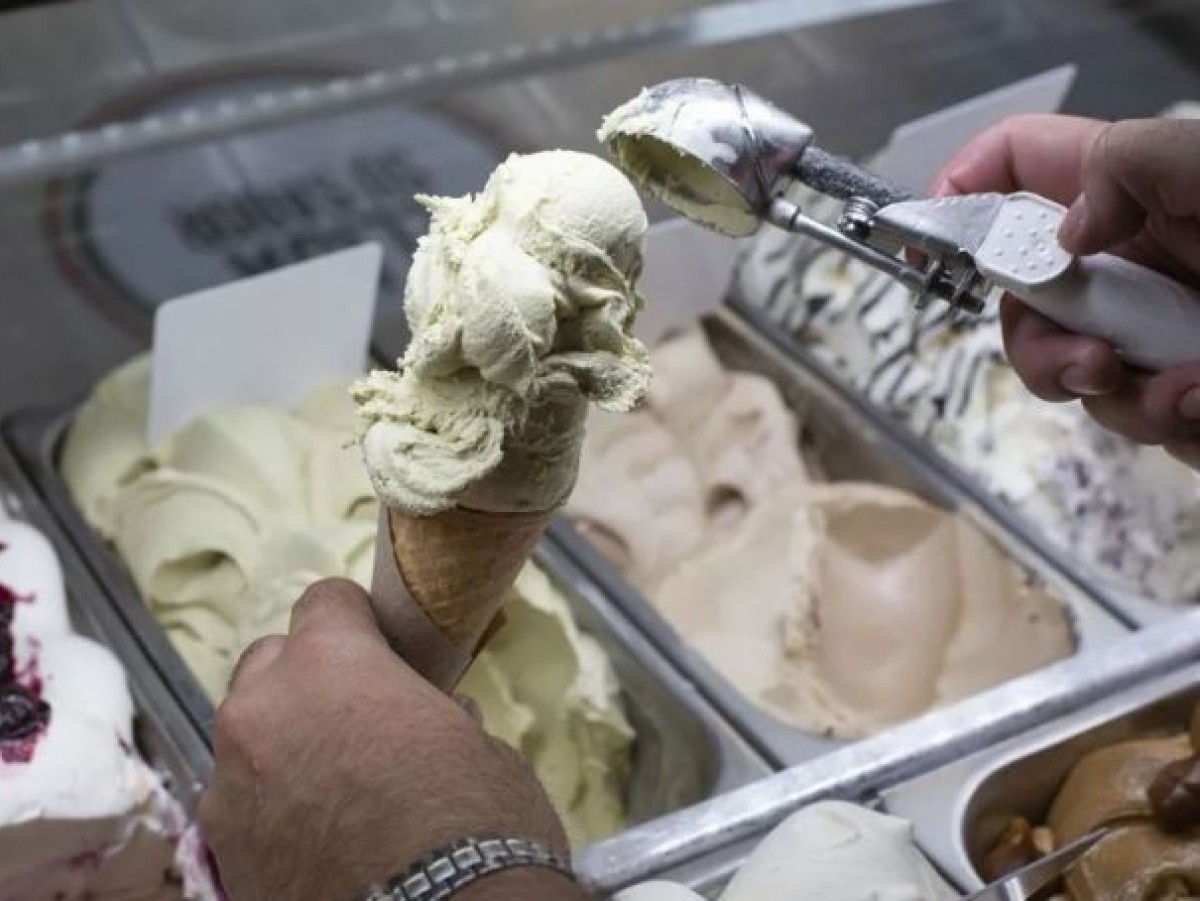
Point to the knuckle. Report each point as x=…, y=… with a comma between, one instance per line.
x=1161, y=403
x=1041, y=381
x=1122, y=416
x=320, y=649
x=262, y=645
x=321, y=598
x=259, y=645
x=1124, y=153
x=322, y=594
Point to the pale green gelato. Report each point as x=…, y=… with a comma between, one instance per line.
x=225, y=524
x=634, y=133
x=549, y=691
x=520, y=302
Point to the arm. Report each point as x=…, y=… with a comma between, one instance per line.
x=337, y=767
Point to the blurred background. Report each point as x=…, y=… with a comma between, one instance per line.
x=153, y=147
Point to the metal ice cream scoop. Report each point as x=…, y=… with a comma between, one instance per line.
x=723, y=157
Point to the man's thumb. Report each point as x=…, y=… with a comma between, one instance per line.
x=334, y=604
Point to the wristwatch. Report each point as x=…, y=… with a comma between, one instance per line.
x=441, y=873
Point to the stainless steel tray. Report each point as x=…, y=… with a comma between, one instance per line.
x=960, y=810
x=165, y=736
x=863, y=451
x=684, y=752
x=705, y=842
x=1124, y=605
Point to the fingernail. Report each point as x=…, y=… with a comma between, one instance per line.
x=1072, y=226
x=1189, y=404
x=1075, y=380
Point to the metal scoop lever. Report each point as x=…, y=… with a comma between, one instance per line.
x=1028, y=881
x=723, y=157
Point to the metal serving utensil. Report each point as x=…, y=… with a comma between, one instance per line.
x=724, y=157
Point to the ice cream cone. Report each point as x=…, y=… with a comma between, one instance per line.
x=456, y=567
x=486, y=409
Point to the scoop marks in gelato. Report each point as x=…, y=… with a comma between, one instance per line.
x=785, y=583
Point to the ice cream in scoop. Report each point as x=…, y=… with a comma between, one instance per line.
x=82, y=816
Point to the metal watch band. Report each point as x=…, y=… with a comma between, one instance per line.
x=441, y=873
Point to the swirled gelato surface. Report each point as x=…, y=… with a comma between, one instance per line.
x=519, y=302
x=787, y=584
x=224, y=525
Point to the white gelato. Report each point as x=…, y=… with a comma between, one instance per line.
x=831, y=850
x=81, y=816
x=520, y=302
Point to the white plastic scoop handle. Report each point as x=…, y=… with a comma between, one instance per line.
x=1153, y=321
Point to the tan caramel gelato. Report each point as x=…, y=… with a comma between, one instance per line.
x=842, y=608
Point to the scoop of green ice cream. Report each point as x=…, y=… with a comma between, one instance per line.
x=520, y=303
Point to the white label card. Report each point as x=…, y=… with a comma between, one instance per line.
x=269, y=339
x=918, y=150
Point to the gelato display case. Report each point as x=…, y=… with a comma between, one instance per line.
x=154, y=148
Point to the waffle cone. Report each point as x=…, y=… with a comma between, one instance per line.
x=459, y=565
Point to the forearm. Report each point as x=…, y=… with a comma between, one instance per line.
x=526, y=883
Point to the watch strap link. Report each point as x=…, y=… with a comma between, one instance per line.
x=441, y=873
